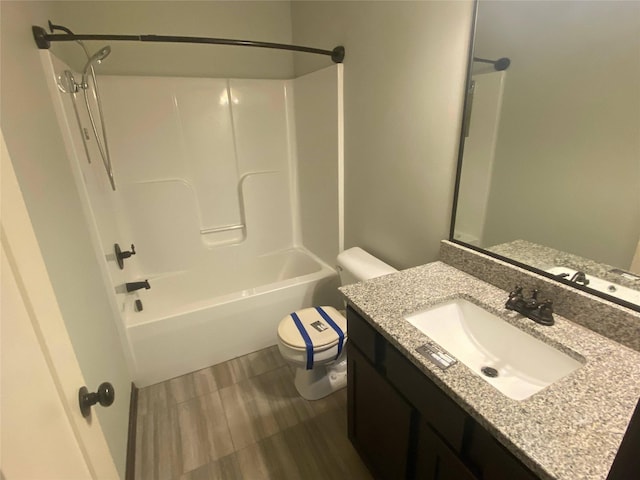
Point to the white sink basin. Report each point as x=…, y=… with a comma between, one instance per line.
x=604, y=286
x=477, y=338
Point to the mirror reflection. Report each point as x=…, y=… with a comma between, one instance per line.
x=551, y=160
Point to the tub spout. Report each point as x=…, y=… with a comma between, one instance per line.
x=133, y=286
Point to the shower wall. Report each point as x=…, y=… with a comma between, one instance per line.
x=319, y=122
x=207, y=172
x=200, y=163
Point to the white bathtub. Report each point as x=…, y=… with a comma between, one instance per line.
x=221, y=310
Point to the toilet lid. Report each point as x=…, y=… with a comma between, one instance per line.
x=319, y=330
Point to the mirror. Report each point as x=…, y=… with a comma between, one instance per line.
x=549, y=172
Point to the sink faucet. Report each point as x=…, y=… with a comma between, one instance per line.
x=538, y=311
x=580, y=277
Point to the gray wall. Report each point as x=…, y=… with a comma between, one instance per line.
x=246, y=20
x=44, y=173
x=403, y=88
x=567, y=166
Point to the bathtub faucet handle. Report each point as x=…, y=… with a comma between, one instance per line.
x=120, y=255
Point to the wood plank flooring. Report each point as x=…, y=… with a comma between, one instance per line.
x=242, y=419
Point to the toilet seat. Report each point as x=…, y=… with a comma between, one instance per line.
x=313, y=330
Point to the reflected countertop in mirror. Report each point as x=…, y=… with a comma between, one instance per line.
x=550, y=158
x=601, y=277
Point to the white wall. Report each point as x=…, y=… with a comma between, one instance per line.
x=567, y=167
x=319, y=155
x=404, y=77
x=246, y=20
x=43, y=170
x=190, y=155
x=193, y=154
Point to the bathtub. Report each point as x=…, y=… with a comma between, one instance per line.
x=221, y=310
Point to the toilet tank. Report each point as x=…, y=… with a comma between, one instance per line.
x=355, y=265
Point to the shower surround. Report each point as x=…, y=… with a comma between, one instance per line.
x=231, y=191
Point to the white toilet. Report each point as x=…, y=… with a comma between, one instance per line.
x=314, y=339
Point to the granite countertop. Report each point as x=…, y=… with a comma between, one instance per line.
x=571, y=429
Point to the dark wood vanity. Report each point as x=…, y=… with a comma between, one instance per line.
x=404, y=426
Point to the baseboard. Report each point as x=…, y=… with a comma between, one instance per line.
x=131, y=440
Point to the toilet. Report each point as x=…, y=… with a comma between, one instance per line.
x=314, y=339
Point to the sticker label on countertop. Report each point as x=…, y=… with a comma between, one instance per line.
x=437, y=355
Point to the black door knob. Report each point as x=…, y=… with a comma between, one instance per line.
x=105, y=396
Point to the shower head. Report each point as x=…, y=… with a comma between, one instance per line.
x=499, y=65
x=502, y=64
x=97, y=57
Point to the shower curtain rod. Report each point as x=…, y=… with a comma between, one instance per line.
x=43, y=41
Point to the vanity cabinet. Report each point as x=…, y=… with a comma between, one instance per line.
x=404, y=426
x=436, y=460
x=382, y=427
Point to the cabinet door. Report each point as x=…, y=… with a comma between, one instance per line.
x=379, y=419
x=436, y=461
x=627, y=461
x=435, y=407
x=492, y=459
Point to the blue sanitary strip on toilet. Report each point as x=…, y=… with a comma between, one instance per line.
x=333, y=325
x=306, y=338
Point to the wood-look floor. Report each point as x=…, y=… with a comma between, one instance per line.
x=242, y=419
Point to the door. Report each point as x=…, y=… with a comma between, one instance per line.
x=43, y=434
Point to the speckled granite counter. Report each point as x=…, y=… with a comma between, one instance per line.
x=571, y=429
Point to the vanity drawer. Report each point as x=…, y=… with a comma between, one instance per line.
x=434, y=406
x=361, y=334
